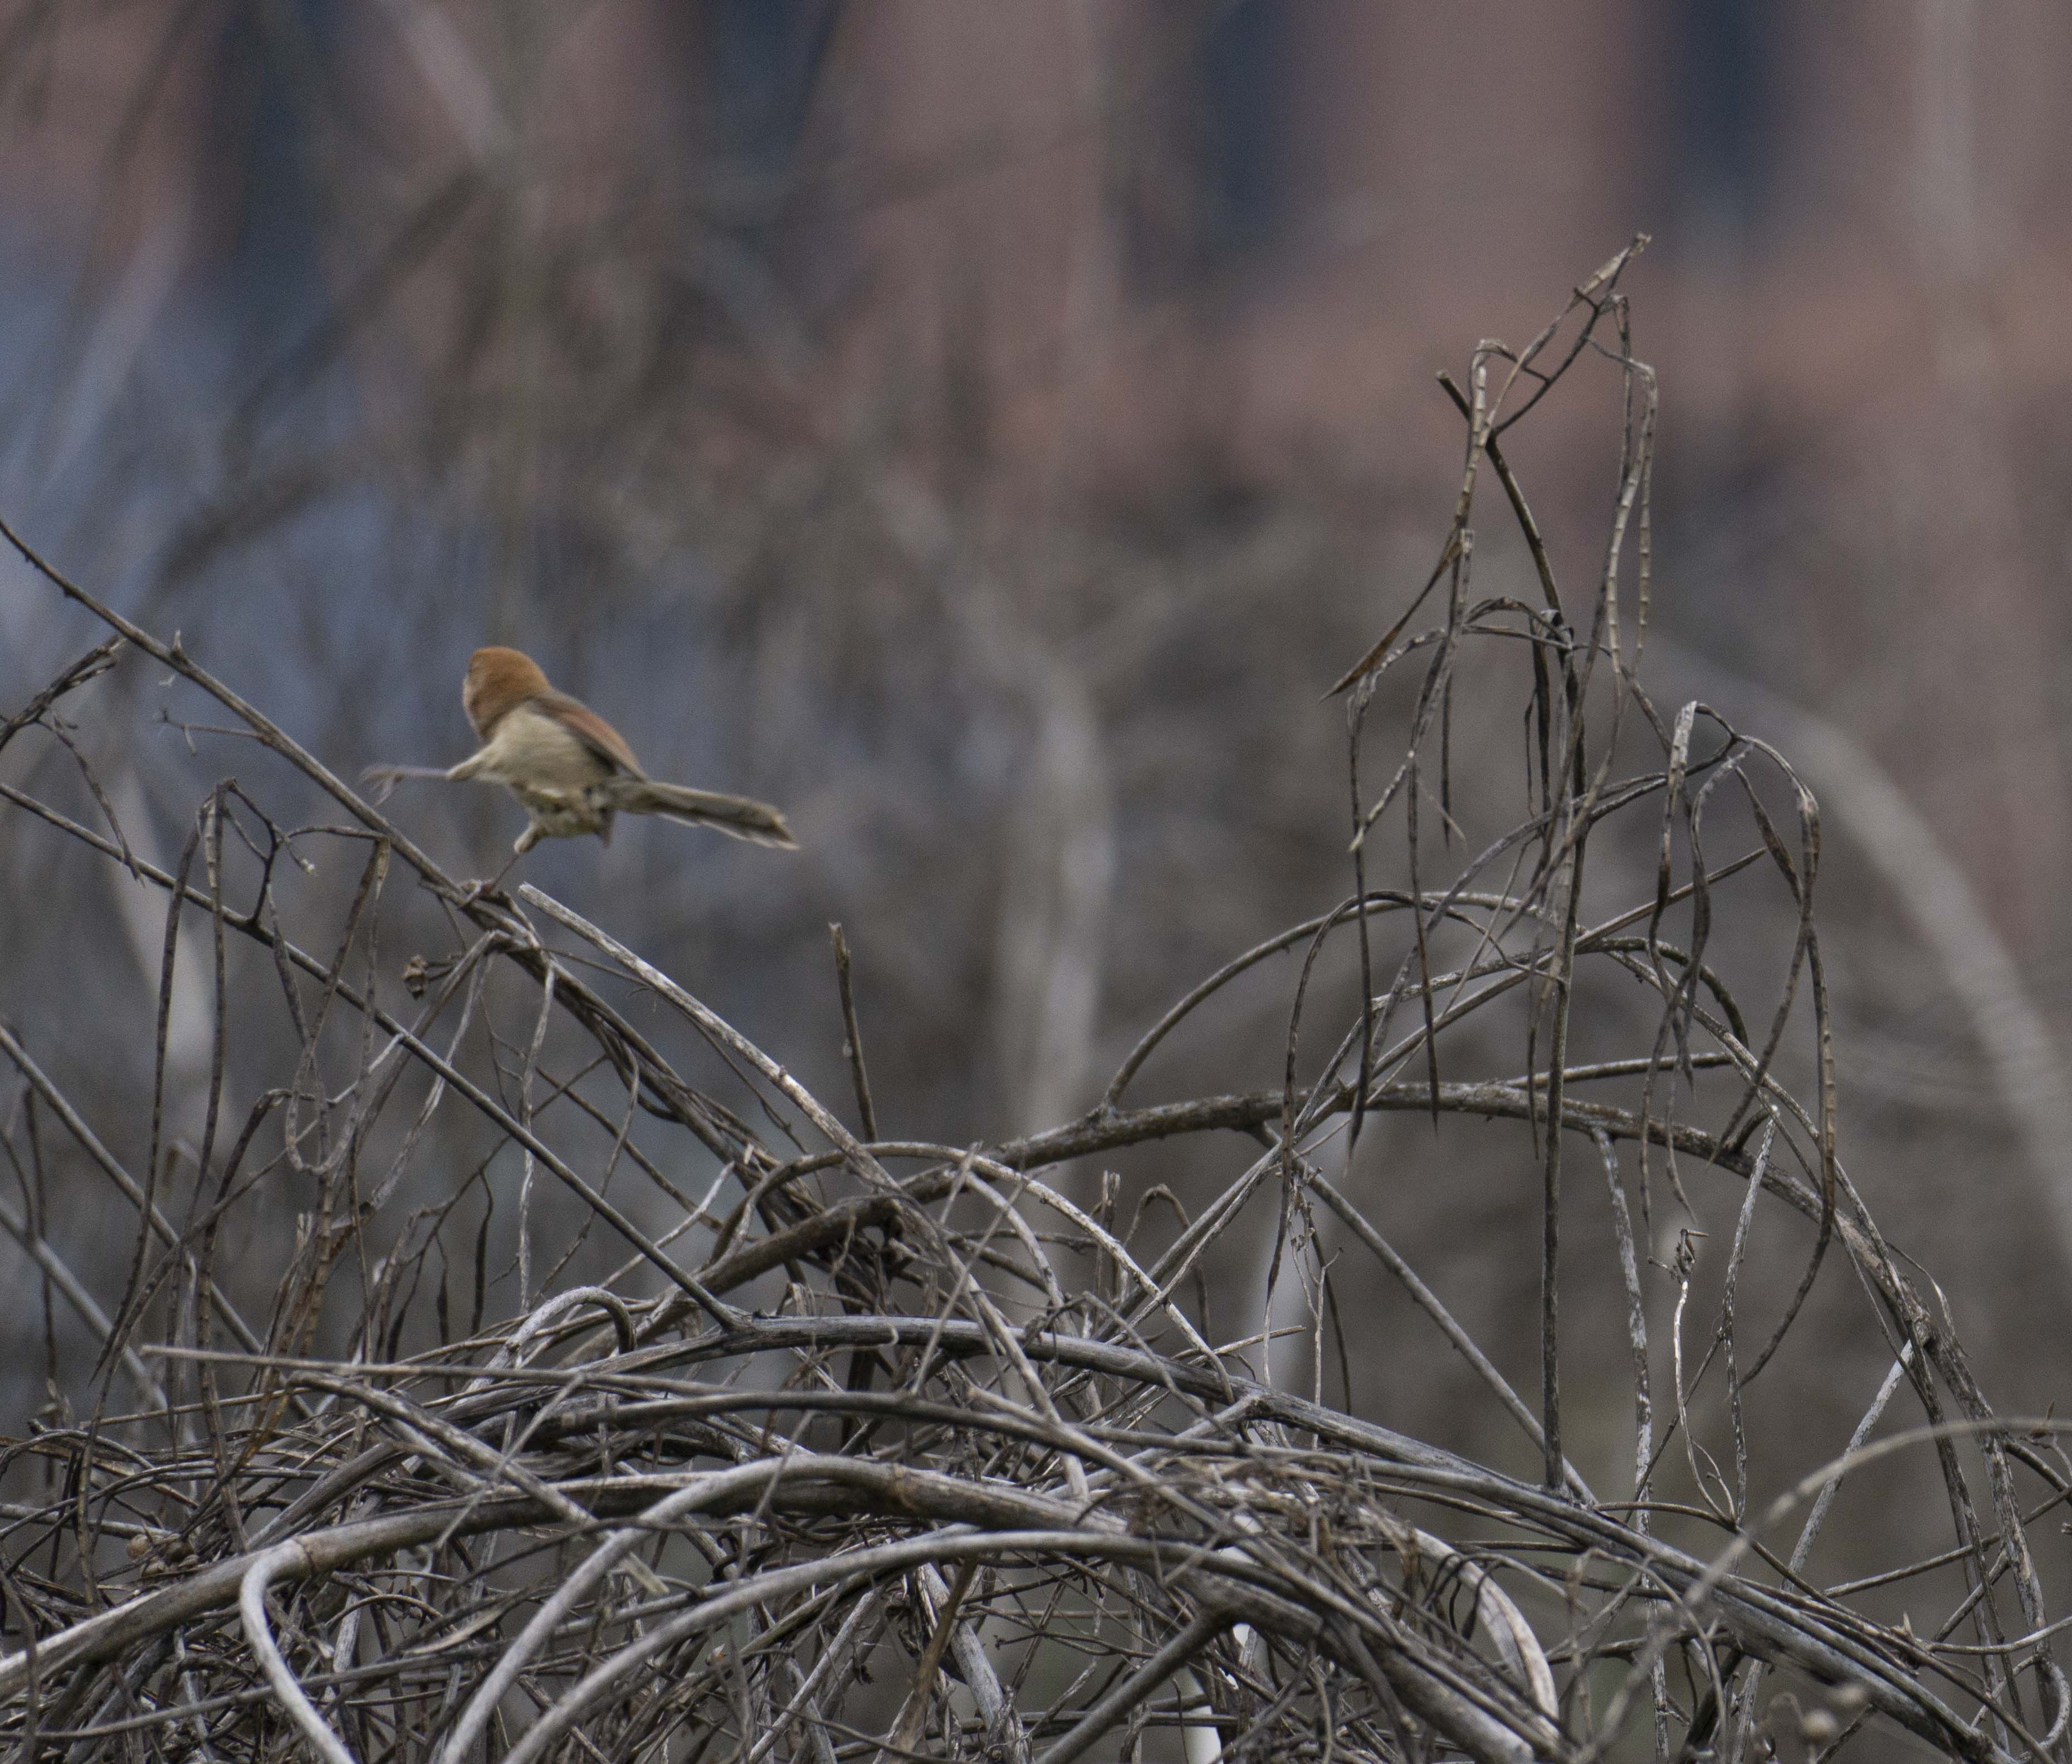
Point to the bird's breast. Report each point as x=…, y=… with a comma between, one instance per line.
x=535, y=754
x=557, y=777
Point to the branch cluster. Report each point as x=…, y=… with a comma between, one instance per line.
x=889, y=1448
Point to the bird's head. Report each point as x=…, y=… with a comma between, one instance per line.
x=498, y=680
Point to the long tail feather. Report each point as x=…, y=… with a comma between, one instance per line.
x=741, y=817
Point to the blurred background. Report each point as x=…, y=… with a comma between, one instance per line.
x=986, y=430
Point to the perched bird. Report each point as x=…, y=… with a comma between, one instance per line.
x=569, y=767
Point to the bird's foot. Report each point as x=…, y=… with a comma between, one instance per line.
x=482, y=888
x=493, y=889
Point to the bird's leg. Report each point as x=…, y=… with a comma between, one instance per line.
x=482, y=890
x=382, y=779
x=479, y=890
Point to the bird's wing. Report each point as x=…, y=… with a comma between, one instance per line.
x=591, y=729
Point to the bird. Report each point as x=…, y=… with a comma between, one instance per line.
x=572, y=772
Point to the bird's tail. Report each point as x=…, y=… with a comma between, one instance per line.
x=739, y=816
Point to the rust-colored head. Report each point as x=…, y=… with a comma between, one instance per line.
x=499, y=681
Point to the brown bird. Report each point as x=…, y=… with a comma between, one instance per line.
x=570, y=769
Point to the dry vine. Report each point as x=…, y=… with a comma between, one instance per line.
x=973, y=1482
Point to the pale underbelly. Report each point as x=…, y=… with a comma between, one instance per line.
x=563, y=815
